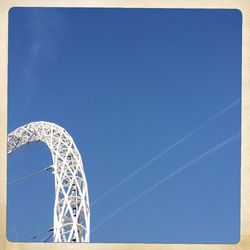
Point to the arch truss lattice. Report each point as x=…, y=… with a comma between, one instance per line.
x=71, y=207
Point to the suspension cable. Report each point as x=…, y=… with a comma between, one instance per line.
x=39, y=234
x=31, y=174
x=48, y=237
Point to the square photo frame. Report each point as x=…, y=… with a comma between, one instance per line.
x=242, y=6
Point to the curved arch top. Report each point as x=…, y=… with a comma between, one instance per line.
x=71, y=208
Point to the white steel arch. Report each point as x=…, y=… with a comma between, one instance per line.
x=71, y=208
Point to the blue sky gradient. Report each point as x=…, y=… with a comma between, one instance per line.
x=127, y=84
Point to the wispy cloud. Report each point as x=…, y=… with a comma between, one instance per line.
x=42, y=26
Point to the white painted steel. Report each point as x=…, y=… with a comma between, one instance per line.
x=71, y=208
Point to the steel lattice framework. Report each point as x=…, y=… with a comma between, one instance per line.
x=71, y=208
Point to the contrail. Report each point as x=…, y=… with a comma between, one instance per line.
x=165, y=151
x=151, y=188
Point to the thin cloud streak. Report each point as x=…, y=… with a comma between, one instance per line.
x=179, y=170
x=165, y=151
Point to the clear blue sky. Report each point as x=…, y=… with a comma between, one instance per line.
x=126, y=84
